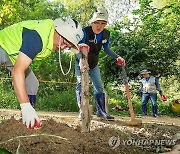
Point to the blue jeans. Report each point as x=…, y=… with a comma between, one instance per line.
x=151, y=96
x=145, y=99
x=95, y=78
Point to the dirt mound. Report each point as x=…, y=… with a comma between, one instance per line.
x=65, y=139
x=105, y=137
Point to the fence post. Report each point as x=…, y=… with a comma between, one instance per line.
x=86, y=116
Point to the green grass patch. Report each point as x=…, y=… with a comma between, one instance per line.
x=62, y=98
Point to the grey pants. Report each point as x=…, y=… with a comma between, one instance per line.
x=32, y=83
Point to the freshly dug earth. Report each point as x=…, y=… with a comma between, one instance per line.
x=71, y=140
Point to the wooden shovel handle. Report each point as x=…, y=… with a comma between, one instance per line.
x=128, y=93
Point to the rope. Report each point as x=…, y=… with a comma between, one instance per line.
x=70, y=65
x=44, y=81
x=60, y=64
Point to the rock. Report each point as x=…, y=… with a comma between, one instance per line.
x=176, y=137
x=176, y=149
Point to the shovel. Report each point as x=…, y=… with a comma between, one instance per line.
x=133, y=121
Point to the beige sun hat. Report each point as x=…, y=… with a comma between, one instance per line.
x=145, y=72
x=100, y=14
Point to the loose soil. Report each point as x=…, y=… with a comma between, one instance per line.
x=105, y=138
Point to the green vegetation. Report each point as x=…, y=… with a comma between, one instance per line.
x=152, y=43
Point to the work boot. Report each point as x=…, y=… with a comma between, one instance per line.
x=78, y=96
x=100, y=106
x=154, y=110
x=144, y=110
x=32, y=100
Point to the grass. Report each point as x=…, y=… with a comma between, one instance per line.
x=62, y=98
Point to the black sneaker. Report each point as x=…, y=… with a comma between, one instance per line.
x=109, y=117
x=144, y=114
x=155, y=115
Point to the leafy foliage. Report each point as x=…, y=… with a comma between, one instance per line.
x=19, y=10
x=152, y=44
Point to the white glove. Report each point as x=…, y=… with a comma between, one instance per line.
x=29, y=116
x=83, y=45
x=121, y=61
x=80, y=46
x=74, y=50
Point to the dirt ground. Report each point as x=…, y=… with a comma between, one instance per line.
x=105, y=137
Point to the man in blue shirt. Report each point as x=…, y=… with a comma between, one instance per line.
x=96, y=37
x=148, y=89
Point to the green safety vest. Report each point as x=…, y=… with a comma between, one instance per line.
x=11, y=37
